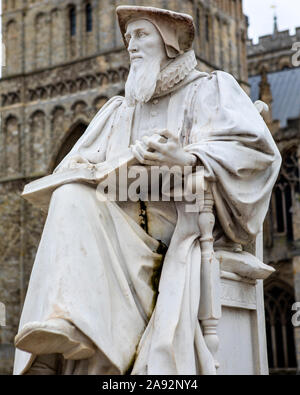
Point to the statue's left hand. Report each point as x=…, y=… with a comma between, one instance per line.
x=161, y=149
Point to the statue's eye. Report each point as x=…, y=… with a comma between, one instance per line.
x=141, y=34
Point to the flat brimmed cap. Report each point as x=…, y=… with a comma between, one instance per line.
x=181, y=24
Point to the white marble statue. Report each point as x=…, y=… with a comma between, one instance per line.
x=93, y=305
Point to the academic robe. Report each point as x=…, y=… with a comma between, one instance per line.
x=95, y=264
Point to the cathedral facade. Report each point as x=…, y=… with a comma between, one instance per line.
x=64, y=60
x=275, y=79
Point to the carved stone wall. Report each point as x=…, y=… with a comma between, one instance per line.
x=58, y=75
x=273, y=52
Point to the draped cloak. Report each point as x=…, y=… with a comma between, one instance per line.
x=216, y=121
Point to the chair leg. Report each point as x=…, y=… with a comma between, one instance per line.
x=211, y=338
x=210, y=300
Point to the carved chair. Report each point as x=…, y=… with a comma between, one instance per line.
x=231, y=311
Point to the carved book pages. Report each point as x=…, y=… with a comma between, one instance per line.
x=39, y=192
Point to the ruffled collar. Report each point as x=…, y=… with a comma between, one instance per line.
x=175, y=72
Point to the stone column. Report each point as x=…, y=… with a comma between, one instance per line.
x=202, y=33
x=206, y=34
x=212, y=36
x=108, y=26
x=221, y=43
x=244, y=56
x=238, y=45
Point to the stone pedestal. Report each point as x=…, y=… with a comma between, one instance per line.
x=241, y=330
x=242, y=348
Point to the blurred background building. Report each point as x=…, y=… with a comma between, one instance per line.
x=64, y=60
x=275, y=80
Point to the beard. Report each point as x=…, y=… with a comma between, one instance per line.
x=142, y=80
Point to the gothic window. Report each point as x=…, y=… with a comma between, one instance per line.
x=207, y=27
x=72, y=137
x=280, y=223
x=72, y=47
x=72, y=20
x=198, y=21
x=279, y=328
x=88, y=18
x=286, y=193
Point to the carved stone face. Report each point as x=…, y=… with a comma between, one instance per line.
x=145, y=43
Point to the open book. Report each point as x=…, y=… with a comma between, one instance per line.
x=39, y=192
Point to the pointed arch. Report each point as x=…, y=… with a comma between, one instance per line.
x=279, y=298
x=285, y=194
x=67, y=143
x=79, y=107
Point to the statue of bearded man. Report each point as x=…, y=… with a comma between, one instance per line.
x=92, y=305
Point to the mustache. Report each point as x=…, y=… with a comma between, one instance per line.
x=134, y=57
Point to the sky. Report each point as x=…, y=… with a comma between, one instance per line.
x=261, y=16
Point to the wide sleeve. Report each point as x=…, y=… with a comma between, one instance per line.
x=93, y=143
x=240, y=157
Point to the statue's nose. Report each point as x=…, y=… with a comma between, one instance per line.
x=132, y=46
